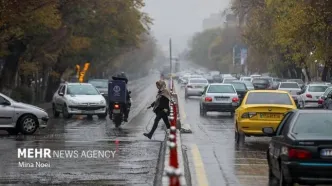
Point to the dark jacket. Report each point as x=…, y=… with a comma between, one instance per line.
x=163, y=104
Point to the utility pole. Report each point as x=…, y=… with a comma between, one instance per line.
x=170, y=55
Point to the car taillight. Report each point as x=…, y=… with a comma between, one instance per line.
x=116, y=106
x=208, y=99
x=320, y=101
x=298, y=154
x=235, y=99
x=248, y=114
x=308, y=95
x=189, y=86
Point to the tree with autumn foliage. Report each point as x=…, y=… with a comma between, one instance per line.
x=285, y=36
x=42, y=39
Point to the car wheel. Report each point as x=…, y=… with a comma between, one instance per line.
x=13, y=131
x=102, y=116
x=273, y=180
x=202, y=111
x=65, y=112
x=55, y=112
x=239, y=137
x=282, y=181
x=28, y=124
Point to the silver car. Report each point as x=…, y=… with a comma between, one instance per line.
x=18, y=117
x=218, y=97
x=195, y=86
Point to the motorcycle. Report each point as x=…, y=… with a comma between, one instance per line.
x=117, y=113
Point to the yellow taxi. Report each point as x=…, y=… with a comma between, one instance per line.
x=259, y=109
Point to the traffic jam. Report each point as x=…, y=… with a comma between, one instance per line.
x=260, y=130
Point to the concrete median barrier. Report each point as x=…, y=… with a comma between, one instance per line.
x=174, y=174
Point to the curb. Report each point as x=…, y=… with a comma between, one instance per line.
x=165, y=179
x=185, y=127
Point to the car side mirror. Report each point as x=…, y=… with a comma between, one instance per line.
x=129, y=92
x=298, y=93
x=268, y=131
x=329, y=96
x=102, y=93
x=61, y=94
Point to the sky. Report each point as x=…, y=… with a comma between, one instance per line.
x=180, y=19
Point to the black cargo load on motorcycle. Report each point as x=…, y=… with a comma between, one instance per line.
x=117, y=91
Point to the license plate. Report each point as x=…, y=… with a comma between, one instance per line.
x=326, y=152
x=88, y=111
x=270, y=116
x=116, y=111
x=222, y=99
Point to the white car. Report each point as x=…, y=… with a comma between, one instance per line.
x=310, y=95
x=245, y=79
x=229, y=79
x=195, y=87
x=18, y=117
x=78, y=99
x=255, y=75
x=293, y=88
x=219, y=97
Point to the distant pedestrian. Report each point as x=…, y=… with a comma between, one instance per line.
x=160, y=107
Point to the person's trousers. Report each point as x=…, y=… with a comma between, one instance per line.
x=159, y=116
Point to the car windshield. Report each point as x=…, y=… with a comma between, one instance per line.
x=246, y=79
x=248, y=84
x=198, y=81
x=260, y=81
x=268, y=98
x=322, y=124
x=327, y=91
x=289, y=85
x=317, y=88
x=82, y=90
x=99, y=83
x=228, y=80
x=239, y=86
x=221, y=89
x=295, y=80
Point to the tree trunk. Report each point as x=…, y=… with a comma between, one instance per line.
x=324, y=74
x=53, y=83
x=10, y=68
x=308, y=73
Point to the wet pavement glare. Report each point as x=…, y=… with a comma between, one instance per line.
x=135, y=160
x=225, y=163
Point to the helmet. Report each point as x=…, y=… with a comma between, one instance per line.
x=122, y=75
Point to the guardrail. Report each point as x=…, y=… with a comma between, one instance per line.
x=173, y=172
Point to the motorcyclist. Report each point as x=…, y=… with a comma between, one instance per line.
x=126, y=108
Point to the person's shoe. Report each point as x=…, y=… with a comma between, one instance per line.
x=125, y=119
x=147, y=135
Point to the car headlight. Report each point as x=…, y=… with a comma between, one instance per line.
x=102, y=102
x=72, y=102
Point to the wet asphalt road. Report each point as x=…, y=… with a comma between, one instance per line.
x=212, y=143
x=224, y=162
x=135, y=160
